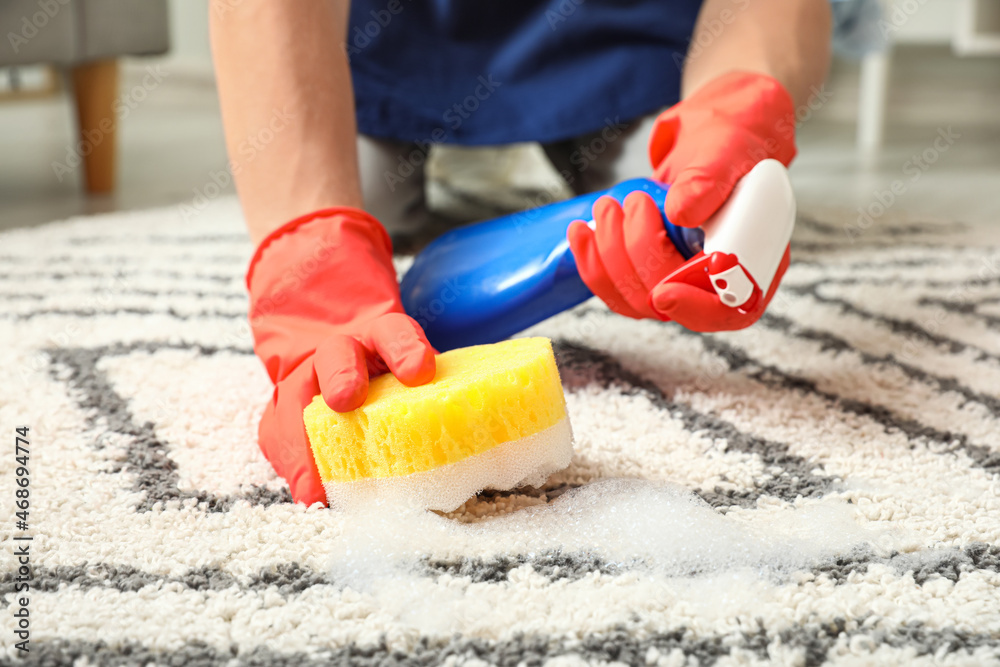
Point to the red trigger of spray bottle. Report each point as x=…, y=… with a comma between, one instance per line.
x=745, y=239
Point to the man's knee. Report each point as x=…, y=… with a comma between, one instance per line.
x=392, y=178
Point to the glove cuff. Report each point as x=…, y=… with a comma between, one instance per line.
x=757, y=102
x=370, y=228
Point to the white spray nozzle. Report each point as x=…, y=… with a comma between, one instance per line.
x=755, y=224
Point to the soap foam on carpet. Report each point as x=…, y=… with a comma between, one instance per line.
x=656, y=531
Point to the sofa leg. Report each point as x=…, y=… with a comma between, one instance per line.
x=95, y=88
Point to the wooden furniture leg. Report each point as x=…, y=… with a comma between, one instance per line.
x=95, y=88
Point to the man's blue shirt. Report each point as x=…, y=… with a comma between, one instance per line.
x=482, y=72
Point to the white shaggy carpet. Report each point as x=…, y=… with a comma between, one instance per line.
x=867, y=400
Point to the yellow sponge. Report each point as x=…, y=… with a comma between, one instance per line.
x=493, y=417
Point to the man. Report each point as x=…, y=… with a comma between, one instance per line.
x=325, y=307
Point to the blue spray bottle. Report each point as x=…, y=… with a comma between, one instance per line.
x=484, y=282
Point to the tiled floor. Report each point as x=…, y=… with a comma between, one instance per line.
x=171, y=143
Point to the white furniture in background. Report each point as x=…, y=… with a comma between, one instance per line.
x=977, y=28
x=873, y=90
x=971, y=27
x=86, y=38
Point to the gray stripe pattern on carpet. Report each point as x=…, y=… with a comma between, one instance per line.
x=162, y=270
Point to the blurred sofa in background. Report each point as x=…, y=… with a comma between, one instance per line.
x=84, y=39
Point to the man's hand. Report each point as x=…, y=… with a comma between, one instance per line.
x=701, y=147
x=625, y=260
x=700, y=308
x=705, y=144
x=627, y=254
x=326, y=316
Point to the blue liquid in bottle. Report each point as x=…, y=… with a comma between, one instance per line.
x=486, y=281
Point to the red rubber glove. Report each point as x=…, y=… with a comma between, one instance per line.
x=704, y=144
x=702, y=147
x=699, y=308
x=627, y=255
x=326, y=315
